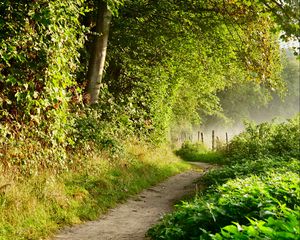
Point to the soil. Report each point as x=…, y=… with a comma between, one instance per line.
x=132, y=219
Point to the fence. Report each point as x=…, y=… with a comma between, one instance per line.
x=214, y=143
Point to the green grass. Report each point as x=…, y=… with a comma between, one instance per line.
x=36, y=207
x=197, y=152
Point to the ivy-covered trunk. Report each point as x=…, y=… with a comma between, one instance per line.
x=98, y=53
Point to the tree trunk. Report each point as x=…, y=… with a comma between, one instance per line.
x=98, y=53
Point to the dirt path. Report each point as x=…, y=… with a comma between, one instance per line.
x=131, y=220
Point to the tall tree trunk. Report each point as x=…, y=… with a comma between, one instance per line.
x=98, y=53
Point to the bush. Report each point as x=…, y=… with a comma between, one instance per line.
x=286, y=227
x=250, y=167
x=238, y=200
x=267, y=139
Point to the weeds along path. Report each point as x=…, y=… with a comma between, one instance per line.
x=131, y=220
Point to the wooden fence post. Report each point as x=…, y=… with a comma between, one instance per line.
x=227, y=143
x=213, y=140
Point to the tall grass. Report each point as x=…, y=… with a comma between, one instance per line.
x=197, y=152
x=36, y=206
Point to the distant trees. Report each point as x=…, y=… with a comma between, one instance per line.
x=259, y=103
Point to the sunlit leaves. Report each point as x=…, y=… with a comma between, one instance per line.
x=191, y=48
x=39, y=57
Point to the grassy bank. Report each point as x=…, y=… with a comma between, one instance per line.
x=197, y=152
x=37, y=206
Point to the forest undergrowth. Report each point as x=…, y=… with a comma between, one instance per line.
x=255, y=196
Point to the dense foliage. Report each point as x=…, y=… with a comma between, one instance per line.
x=256, y=196
x=165, y=63
x=267, y=139
x=243, y=202
x=39, y=58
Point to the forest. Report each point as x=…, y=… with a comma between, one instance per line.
x=96, y=95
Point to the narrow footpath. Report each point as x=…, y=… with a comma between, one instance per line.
x=132, y=219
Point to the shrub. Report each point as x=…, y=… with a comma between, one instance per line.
x=270, y=195
x=285, y=227
x=248, y=168
x=267, y=139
